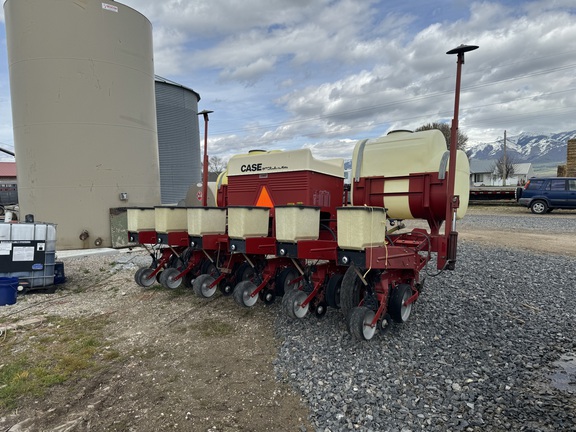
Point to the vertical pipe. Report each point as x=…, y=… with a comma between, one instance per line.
x=205, y=167
x=205, y=170
x=450, y=219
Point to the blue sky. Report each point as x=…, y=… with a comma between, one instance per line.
x=284, y=74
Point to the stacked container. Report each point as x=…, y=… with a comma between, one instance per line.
x=28, y=252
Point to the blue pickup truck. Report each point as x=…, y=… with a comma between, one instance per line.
x=544, y=194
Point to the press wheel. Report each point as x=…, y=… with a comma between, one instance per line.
x=360, y=323
x=144, y=279
x=202, y=286
x=167, y=279
x=292, y=303
x=242, y=293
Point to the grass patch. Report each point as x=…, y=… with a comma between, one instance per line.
x=213, y=328
x=180, y=291
x=35, y=360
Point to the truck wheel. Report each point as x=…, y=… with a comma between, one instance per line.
x=518, y=193
x=539, y=207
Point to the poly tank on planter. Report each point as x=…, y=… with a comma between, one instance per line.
x=141, y=219
x=361, y=227
x=28, y=252
x=169, y=219
x=245, y=222
x=206, y=220
x=295, y=223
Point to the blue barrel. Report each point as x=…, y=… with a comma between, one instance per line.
x=8, y=290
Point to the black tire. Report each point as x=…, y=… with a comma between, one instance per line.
x=398, y=312
x=226, y=287
x=188, y=279
x=208, y=267
x=283, y=282
x=351, y=291
x=360, y=317
x=333, y=290
x=320, y=310
x=539, y=207
x=244, y=272
x=267, y=296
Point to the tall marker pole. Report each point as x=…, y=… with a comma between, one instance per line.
x=453, y=201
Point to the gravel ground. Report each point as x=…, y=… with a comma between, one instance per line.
x=478, y=354
x=561, y=223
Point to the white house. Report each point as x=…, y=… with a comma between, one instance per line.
x=484, y=173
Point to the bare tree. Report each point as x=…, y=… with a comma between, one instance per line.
x=445, y=129
x=504, y=168
x=216, y=164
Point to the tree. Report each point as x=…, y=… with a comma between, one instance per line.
x=504, y=168
x=446, y=130
x=216, y=164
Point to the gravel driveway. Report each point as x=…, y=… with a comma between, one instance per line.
x=489, y=347
x=477, y=355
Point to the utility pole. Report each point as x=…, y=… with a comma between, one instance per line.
x=505, y=162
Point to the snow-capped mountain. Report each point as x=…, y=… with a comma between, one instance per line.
x=526, y=147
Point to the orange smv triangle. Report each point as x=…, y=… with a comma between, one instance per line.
x=264, y=199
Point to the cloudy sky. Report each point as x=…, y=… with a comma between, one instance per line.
x=283, y=74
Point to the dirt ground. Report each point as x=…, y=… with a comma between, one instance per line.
x=161, y=359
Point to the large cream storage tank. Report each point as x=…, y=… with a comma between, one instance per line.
x=84, y=115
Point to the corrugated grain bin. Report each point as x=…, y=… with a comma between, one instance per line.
x=167, y=219
x=295, y=223
x=361, y=227
x=206, y=220
x=178, y=139
x=245, y=222
x=141, y=219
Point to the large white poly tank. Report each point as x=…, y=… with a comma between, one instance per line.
x=84, y=115
x=400, y=157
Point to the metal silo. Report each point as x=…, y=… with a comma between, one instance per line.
x=178, y=139
x=83, y=105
